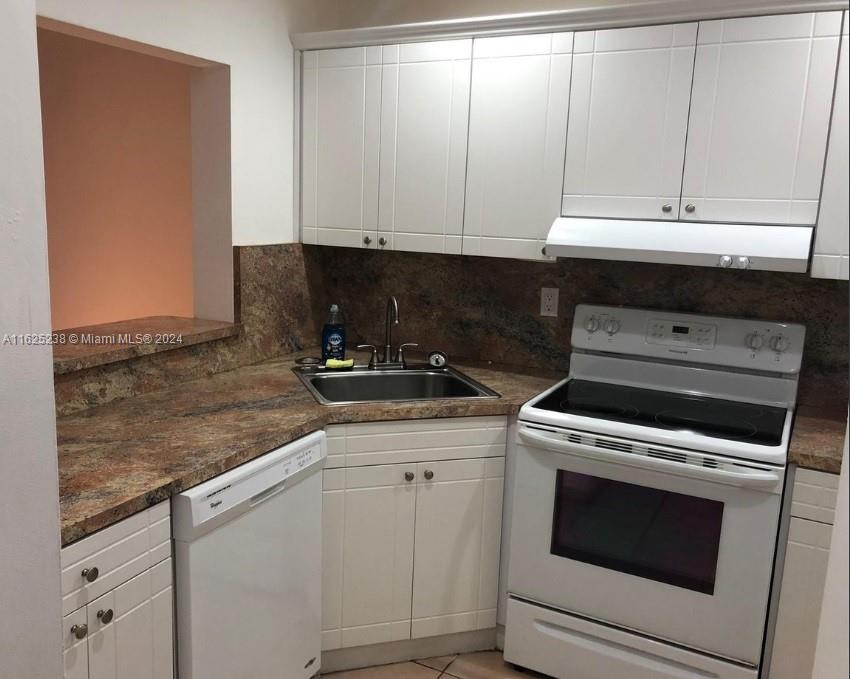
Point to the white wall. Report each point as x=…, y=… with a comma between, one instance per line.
x=30, y=631
x=253, y=39
x=831, y=657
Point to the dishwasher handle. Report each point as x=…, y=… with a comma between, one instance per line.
x=746, y=477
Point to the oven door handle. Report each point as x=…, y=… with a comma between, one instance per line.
x=746, y=478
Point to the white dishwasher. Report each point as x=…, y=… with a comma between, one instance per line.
x=248, y=548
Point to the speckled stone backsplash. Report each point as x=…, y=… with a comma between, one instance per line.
x=471, y=307
x=488, y=309
x=272, y=306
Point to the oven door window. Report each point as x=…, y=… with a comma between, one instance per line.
x=651, y=533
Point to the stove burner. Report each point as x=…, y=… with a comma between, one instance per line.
x=672, y=418
x=702, y=415
x=626, y=411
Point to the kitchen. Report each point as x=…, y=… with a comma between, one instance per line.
x=648, y=200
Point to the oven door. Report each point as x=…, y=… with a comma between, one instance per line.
x=671, y=543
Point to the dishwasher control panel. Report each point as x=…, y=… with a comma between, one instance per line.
x=208, y=505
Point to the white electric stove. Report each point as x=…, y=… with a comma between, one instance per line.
x=647, y=496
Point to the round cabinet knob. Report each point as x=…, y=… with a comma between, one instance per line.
x=612, y=326
x=725, y=262
x=105, y=616
x=667, y=208
x=367, y=240
x=591, y=324
x=743, y=262
x=409, y=476
x=543, y=251
x=779, y=343
x=80, y=631
x=690, y=208
x=755, y=341
x=382, y=241
x=429, y=474
x=90, y=574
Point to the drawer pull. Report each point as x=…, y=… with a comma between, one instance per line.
x=90, y=574
x=106, y=616
x=80, y=631
x=429, y=474
x=409, y=476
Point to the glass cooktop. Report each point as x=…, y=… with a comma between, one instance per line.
x=732, y=420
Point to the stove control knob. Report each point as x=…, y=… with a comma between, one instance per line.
x=591, y=324
x=612, y=326
x=755, y=341
x=779, y=343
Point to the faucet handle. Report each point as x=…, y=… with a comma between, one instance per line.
x=401, y=352
x=373, y=359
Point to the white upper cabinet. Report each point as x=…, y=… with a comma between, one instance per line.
x=424, y=119
x=831, y=236
x=760, y=109
x=340, y=119
x=628, y=122
x=517, y=135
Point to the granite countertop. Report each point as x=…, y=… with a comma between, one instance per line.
x=93, y=345
x=117, y=459
x=817, y=441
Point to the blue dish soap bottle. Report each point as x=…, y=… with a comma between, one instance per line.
x=333, y=335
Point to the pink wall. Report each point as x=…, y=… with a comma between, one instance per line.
x=118, y=167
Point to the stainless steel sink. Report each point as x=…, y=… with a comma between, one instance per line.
x=363, y=385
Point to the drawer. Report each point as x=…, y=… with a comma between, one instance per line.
x=118, y=552
x=574, y=648
x=815, y=496
x=407, y=441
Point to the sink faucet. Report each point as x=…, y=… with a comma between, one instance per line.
x=388, y=360
x=392, y=319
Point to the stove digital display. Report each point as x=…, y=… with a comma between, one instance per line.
x=681, y=329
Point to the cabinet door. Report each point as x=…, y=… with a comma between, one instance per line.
x=340, y=118
x=75, y=652
x=517, y=136
x=458, y=533
x=424, y=119
x=131, y=628
x=628, y=121
x=800, y=598
x=762, y=95
x=367, y=559
x=832, y=243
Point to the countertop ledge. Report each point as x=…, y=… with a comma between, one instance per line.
x=817, y=441
x=117, y=459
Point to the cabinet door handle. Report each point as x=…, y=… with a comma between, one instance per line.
x=382, y=241
x=80, y=631
x=667, y=208
x=409, y=476
x=428, y=475
x=690, y=208
x=90, y=574
x=106, y=616
x=367, y=240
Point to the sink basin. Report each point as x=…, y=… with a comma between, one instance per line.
x=362, y=385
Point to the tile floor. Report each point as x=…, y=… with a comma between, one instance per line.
x=483, y=665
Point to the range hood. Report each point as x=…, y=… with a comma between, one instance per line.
x=746, y=246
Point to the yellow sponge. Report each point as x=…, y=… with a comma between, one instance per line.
x=336, y=364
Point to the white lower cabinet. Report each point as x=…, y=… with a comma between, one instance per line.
x=126, y=632
x=804, y=575
x=411, y=550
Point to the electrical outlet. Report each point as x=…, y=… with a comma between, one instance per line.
x=549, y=302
